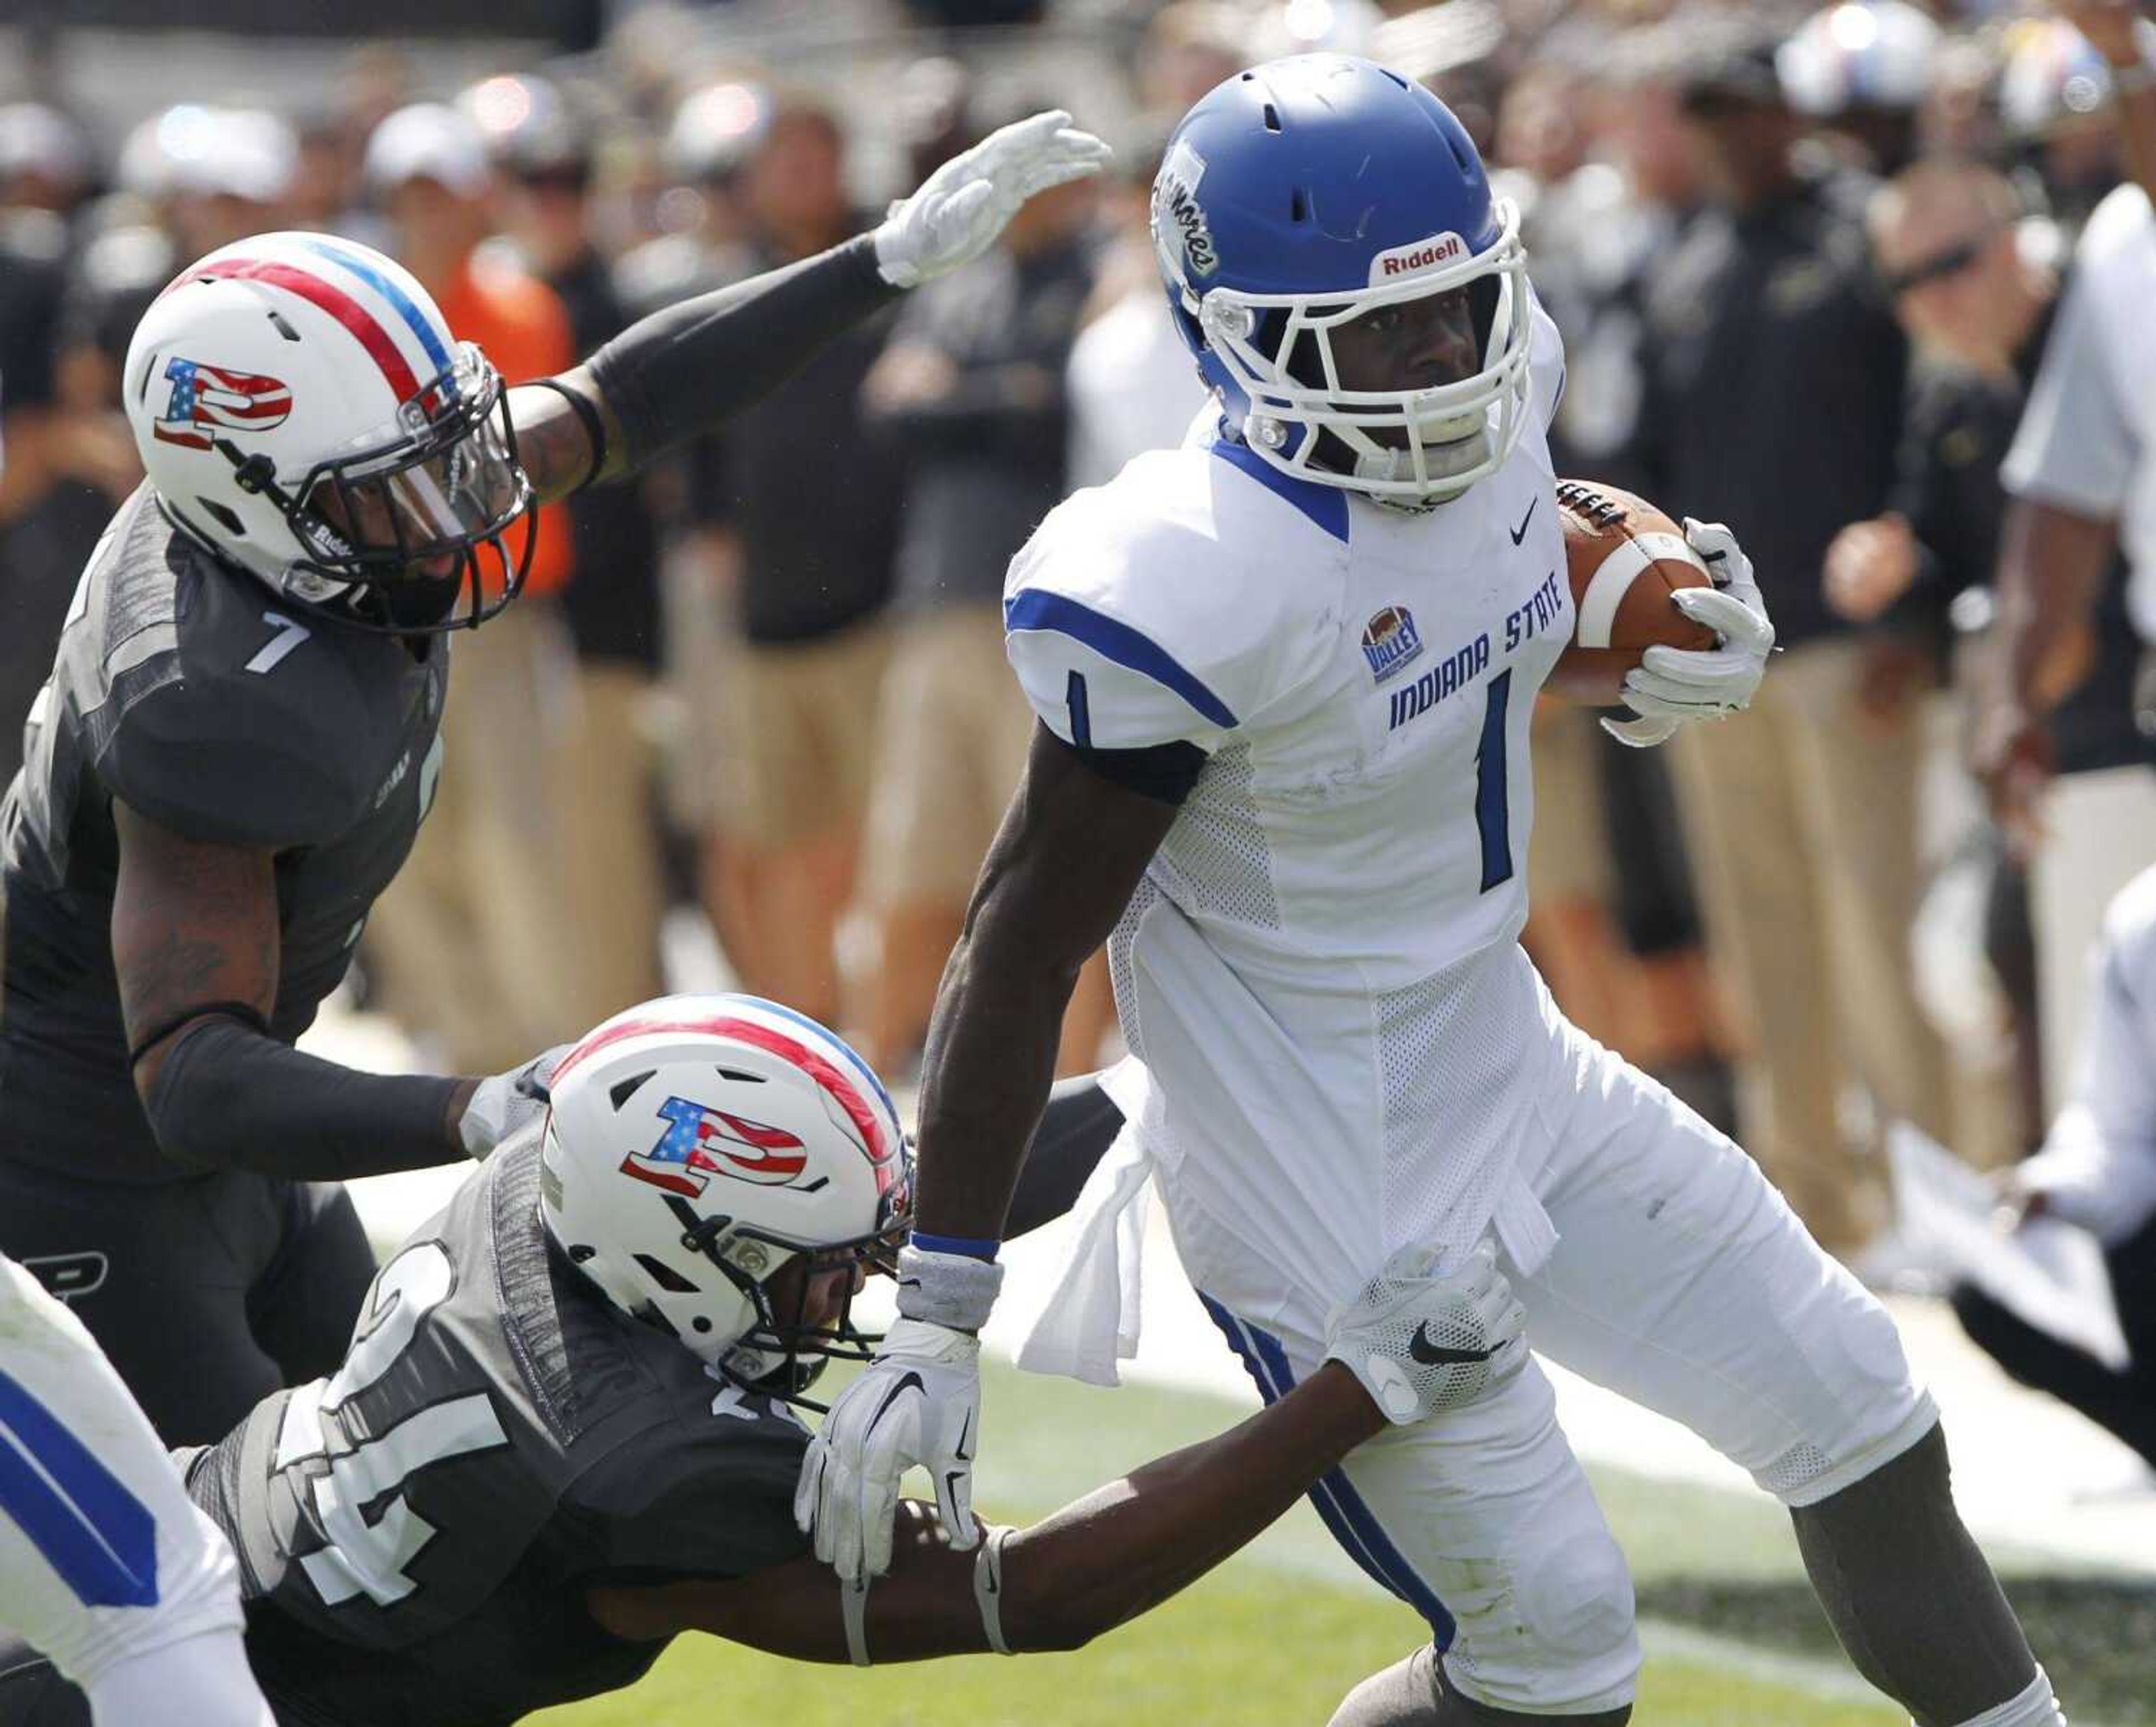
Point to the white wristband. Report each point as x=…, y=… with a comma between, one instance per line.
x=854, y=1601
x=989, y=1588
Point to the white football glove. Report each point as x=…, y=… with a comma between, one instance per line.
x=919, y=1401
x=1423, y=1341
x=959, y=209
x=1670, y=685
x=503, y=1106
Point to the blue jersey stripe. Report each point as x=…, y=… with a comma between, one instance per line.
x=407, y=310
x=97, y=1535
x=1325, y=505
x=1032, y=609
x=1081, y=709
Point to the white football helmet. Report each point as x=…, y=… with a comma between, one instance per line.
x=302, y=410
x=696, y=1146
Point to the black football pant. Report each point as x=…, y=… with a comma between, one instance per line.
x=2123, y=1402
x=207, y=1294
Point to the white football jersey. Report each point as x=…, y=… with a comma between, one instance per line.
x=1320, y=970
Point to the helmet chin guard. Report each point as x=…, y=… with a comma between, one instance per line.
x=1301, y=196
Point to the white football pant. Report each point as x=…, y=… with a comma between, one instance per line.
x=106, y=1566
x=1679, y=1279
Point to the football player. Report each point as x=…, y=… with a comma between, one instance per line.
x=241, y=736
x=564, y=1430
x=1283, y=678
x=105, y=1565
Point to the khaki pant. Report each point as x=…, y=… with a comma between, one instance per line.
x=1569, y=848
x=1801, y=815
x=604, y=779
x=954, y=732
x=478, y=933
x=797, y=736
x=2099, y=833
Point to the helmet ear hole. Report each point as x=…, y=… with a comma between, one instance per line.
x=223, y=516
x=665, y=1276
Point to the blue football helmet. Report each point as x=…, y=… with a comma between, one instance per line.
x=1301, y=195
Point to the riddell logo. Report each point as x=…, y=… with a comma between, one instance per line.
x=1409, y=261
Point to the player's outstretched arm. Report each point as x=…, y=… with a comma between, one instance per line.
x=682, y=371
x=195, y=944
x=1127, y=1547
x=1071, y=851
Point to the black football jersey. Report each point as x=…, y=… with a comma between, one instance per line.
x=182, y=688
x=416, y=1534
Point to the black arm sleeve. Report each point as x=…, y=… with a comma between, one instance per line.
x=230, y=1099
x=1076, y=1130
x=682, y=371
x=1163, y=772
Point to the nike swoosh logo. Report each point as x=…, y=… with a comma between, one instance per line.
x=965, y=1434
x=1520, y=533
x=1432, y=1355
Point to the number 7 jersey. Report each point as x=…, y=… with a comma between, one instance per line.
x=1320, y=968
x=181, y=688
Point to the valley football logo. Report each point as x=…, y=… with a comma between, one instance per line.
x=700, y=1142
x=1180, y=232
x=1389, y=640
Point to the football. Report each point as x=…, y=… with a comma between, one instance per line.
x=1624, y=558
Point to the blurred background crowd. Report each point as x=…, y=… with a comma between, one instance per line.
x=753, y=713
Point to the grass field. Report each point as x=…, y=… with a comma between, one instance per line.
x=1734, y=1637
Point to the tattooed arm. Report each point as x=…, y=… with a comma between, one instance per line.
x=195, y=944
x=194, y=931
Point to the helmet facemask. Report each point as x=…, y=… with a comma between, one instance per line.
x=1409, y=448
x=784, y=1351
x=405, y=531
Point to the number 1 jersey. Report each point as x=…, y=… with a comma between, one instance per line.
x=1319, y=974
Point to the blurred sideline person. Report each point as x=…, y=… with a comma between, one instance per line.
x=2098, y=1171
x=590, y=1361
x=791, y=737
x=458, y=967
x=1801, y=822
x=2081, y=475
x=971, y=388
x=1948, y=239
x=1283, y=762
x=605, y=764
x=242, y=735
x=106, y=1568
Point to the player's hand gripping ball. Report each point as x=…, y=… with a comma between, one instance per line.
x=1669, y=621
